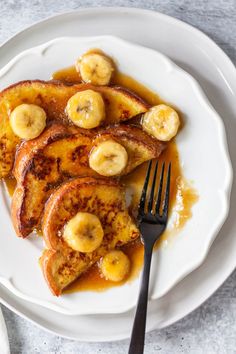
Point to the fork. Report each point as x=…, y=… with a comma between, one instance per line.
x=152, y=219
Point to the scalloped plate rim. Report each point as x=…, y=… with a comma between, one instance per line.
x=224, y=192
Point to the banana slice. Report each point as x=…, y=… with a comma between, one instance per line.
x=95, y=68
x=28, y=121
x=162, y=122
x=86, y=109
x=115, y=265
x=108, y=158
x=84, y=232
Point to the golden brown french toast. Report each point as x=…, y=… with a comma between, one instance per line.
x=68, y=142
x=61, y=153
x=61, y=264
x=120, y=105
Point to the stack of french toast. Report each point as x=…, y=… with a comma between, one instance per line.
x=67, y=147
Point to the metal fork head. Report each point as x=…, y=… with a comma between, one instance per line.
x=152, y=210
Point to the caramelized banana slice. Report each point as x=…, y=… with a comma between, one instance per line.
x=28, y=121
x=115, y=265
x=108, y=158
x=162, y=122
x=95, y=68
x=84, y=232
x=86, y=109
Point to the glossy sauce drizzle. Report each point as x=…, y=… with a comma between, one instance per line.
x=182, y=196
x=10, y=184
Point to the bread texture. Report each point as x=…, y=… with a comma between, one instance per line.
x=62, y=153
x=52, y=96
x=105, y=198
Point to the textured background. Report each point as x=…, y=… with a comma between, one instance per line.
x=211, y=328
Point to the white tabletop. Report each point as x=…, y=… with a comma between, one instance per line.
x=211, y=328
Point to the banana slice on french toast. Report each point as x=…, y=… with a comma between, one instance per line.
x=61, y=153
x=103, y=198
x=52, y=97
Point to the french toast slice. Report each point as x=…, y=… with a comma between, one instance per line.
x=105, y=198
x=52, y=96
x=61, y=153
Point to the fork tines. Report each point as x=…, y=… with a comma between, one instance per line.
x=153, y=205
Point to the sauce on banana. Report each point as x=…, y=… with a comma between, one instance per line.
x=182, y=197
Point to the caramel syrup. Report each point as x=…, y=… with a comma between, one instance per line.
x=182, y=196
x=10, y=184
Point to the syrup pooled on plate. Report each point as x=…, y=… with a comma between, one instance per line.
x=10, y=184
x=182, y=196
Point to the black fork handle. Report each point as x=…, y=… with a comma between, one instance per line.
x=139, y=326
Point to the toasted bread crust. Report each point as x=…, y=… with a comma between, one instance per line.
x=52, y=96
x=22, y=164
x=140, y=146
x=47, y=260
x=62, y=154
x=105, y=198
x=38, y=174
x=48, y=225
x=28, y=149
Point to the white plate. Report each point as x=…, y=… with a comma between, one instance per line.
x=209, y=65
x=209, y=168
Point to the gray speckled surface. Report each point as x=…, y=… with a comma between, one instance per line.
x=211, y=328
